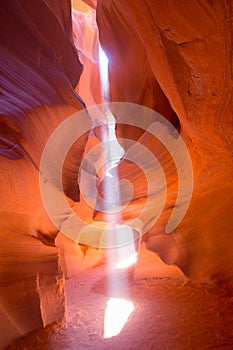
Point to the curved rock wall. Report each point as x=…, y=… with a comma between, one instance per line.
x=38, y=74
x=177, y=54
x=172, y=56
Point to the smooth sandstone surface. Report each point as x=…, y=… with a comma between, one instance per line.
x=178, y=53
x=37, y=77
x=172, y=56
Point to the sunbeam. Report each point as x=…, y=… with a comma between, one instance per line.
x=118, y=310
x=127, y=262
x=103, y=68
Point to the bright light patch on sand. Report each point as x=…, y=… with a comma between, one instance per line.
x=117, y=313
x=127, y=262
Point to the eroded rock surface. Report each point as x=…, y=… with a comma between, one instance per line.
x=177, y=55
x=174, y=57
x=37, y=78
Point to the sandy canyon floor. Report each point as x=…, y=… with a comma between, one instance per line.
x=167, y=314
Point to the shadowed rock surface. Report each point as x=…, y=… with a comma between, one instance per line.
x=174, y=57
x=37, y=77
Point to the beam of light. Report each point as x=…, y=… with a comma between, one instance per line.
x=103, y=68
x=127, y=262
x=117, y=313
x=118, y=310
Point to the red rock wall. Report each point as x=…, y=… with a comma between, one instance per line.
x=180, y=52
x=172, y=56
x=38, y=74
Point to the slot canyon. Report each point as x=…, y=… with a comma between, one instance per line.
x=116, y=167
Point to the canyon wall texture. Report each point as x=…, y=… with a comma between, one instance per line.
x=37, y=79
x=176, y=57
x=172, y=56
